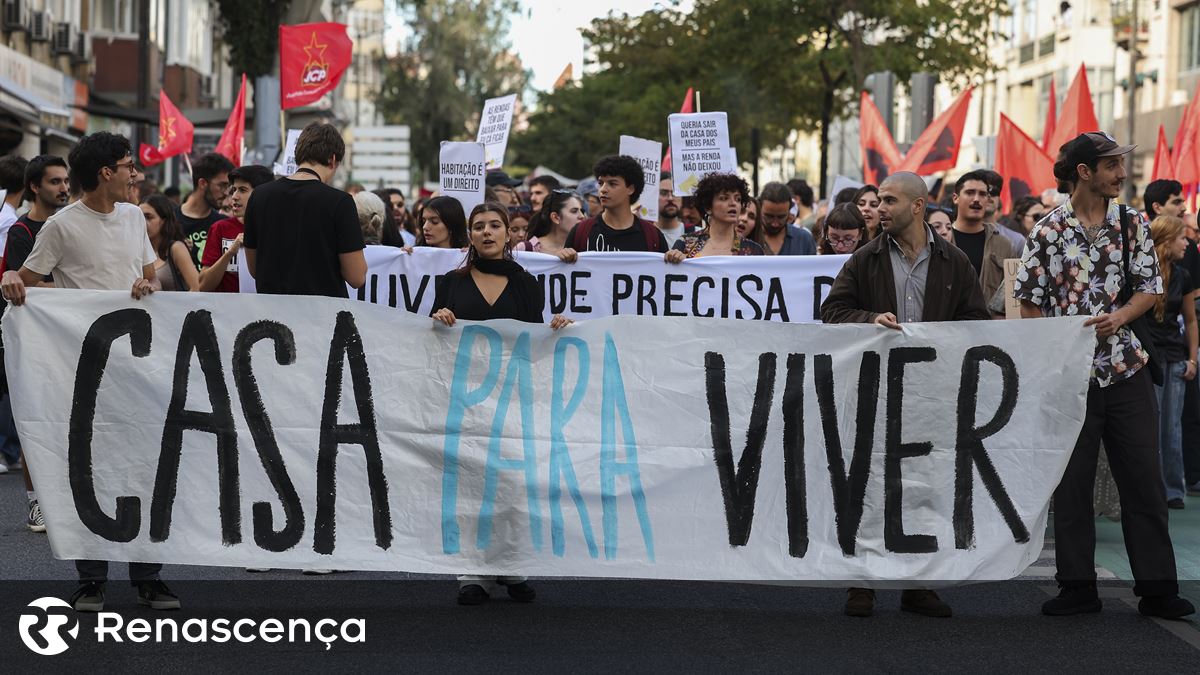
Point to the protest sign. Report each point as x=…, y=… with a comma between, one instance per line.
x=1012, y=306
x=288, y=166
x=462, y=173
x=494, y=124
x=841, y=183
x=784, y=288
x=699, y=145
x=649, y=155
x=282, y=431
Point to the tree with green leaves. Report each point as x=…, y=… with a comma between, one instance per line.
x=251, y=29
x=456, y=56
x=773, y=65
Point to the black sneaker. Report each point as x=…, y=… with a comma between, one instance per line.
x=1073, y=600
x=156, y=595
x=89, y=597
x=1165, y=607
x=521, y=592
x=1175, y=503
x=472, y=594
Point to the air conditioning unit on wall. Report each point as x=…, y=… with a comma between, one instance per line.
x=64, y=38
x=16, y=15
x=39, y=27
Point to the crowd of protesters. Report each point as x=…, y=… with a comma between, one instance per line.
x=915, y=253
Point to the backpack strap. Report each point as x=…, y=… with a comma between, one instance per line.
x=1126, y=238
x=4, y=258
x=651, y=231
x=582, y=231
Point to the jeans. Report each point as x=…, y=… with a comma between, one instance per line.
x=1191, y=432
x=1117, y=414
x=1170, y=428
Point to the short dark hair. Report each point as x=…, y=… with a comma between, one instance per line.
x=864, y=190
x=775, y=192
x=450, y=211
x=12, y=174
x=1158, y=192
x=318, y=142
x=254, y=174
x=386, y=193
x=665, y=175
x=713, y=184
x=624, y=167
x=977, y=175
x=94, y=152
x=550, y=182
x=209, y=166
x=1022, y=206
x=846, y=195
x=171, y=191
x=35, y=171
x=993, y=180
x=802, y=191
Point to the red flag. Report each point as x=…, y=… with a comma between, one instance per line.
x=1187, y=164
x=148, y=155
x=685, y=108
x=1051, y=115
x=1078, y=114
x=936, y=149
x=1026, y=168
x=312, y=58
x=174, y=130
x=230, y=144
x=880, y=157
x=1163, y=166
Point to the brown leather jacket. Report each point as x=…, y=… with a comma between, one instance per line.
x=865, y=288
x=996, y=247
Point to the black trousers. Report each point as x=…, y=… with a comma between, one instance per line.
x=97, y=570
x=1191, y=431
x=1125, y=416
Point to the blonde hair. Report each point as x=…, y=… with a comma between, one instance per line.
x=371, y=214
x=1164, y=231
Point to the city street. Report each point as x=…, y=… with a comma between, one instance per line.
x=413, y=623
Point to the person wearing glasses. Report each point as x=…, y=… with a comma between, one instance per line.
x=1027, y=211
x=669, y=209
x=780, y=235
x=995, y=185
x=844, y=232
x=98, y=242
x=503, y=187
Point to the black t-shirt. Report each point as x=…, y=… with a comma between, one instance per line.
x=195, y=230
x=522, y=299
x=20, y=242
x=601, y=237
x=972, y=244
x=298, y=228
x=1166, y=333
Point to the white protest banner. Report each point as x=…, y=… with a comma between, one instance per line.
x=841, y=183
x=288, y=166
x=649, y=155
x=494, y=124
x=224, y=429
x=699, y=145
x=462, y=173
x=774, y=288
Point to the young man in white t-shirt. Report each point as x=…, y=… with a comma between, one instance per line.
x=100, y=243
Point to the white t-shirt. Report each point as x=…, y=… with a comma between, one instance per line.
x=8, y=216
x=672, y=234
x=82, y=248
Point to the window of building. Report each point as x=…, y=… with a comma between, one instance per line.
x=1101, y=82
x=115, y=16
x=1043, y=97
x=1028, y=20
x=1190, y=39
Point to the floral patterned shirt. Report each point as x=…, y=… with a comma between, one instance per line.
x=692, y=244
x=1067, y=274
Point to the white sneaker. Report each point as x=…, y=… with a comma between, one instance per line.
x=317, y=570
x=34, y=521
x=3, y=467
x=258, y=569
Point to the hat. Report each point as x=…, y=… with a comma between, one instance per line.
x=1085, y=149
x=498, y=177
x=589, y=186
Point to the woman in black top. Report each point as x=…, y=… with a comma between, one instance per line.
x=491, y=285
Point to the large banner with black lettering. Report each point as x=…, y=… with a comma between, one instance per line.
x=291, y=432
x=775, y=288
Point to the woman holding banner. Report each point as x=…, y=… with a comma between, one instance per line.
x=491, y=285
x=720, y=198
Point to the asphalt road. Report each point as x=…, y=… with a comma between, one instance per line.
x=412, y=624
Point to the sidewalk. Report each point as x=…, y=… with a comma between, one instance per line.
x=1185, y=535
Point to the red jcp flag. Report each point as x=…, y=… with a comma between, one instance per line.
x=936, y=149
x=880, y=157
x=230, y=144
x=174, y=134
x=1027, y=170
x=312, y=58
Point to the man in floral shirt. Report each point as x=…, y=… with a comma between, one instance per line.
x=1073, y=266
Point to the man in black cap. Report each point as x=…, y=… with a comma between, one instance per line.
x=504, y=187
x=1093, y=257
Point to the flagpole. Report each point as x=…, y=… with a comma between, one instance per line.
x=698, y=102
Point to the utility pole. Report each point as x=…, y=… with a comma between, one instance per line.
x=143, y=65
x=1131, y=107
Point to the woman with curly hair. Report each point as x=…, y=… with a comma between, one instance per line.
x=719, y=198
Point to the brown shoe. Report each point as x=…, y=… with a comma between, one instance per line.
x=926, y=603
x=860, y=602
